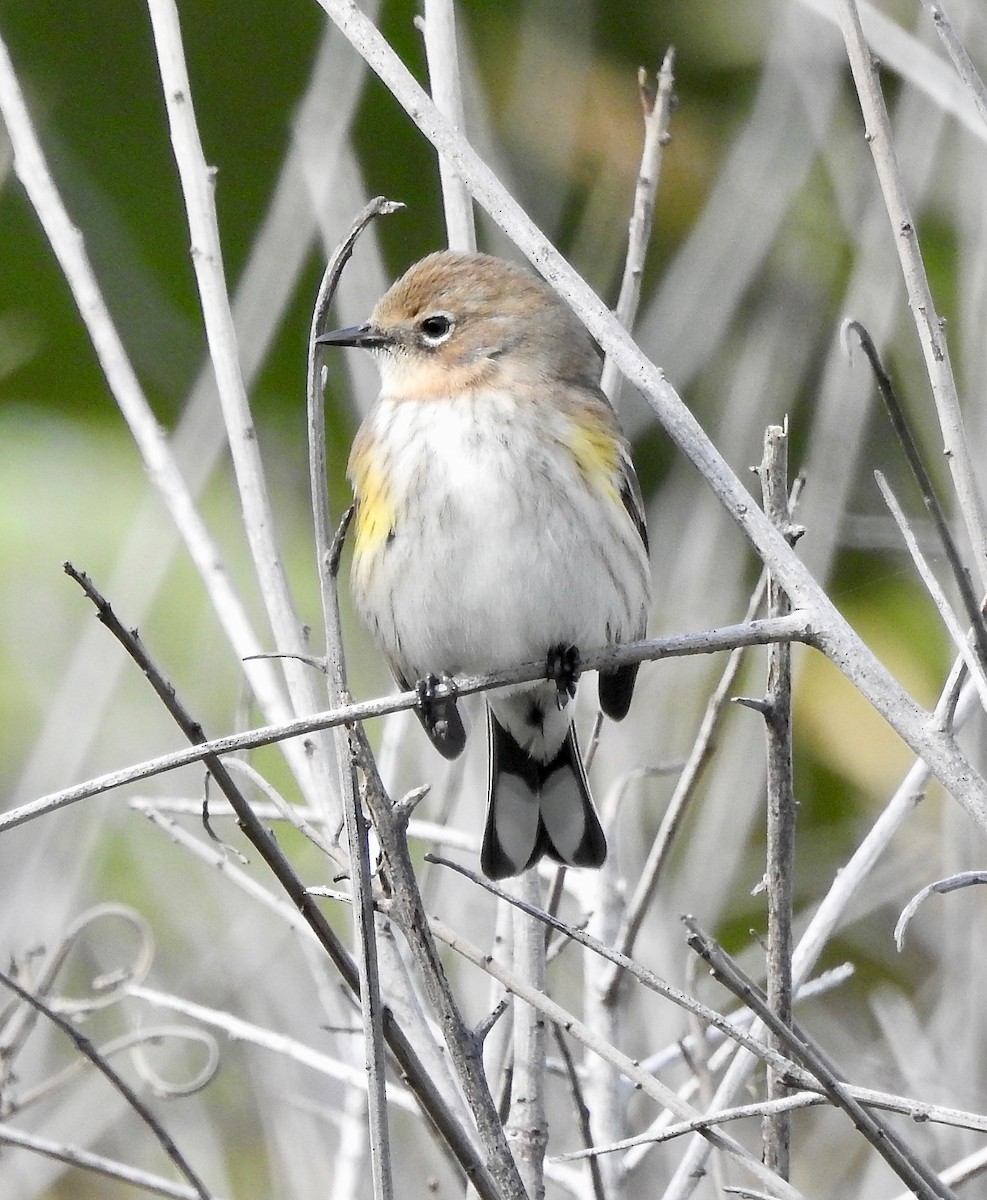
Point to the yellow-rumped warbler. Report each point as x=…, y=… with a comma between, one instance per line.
x=498, y=521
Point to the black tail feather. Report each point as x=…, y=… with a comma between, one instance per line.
x=536, y=809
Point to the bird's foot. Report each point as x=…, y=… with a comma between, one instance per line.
x=437, y=696
x=562, y=666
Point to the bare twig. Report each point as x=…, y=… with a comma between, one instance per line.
x=917, y=1110
x=899, y=422
x=907, y=1166
x=657, y=104
x=582, y=1115
x=763, y=1109
x=68, y=246
x=133, y=1042
x=438, y=25
x=274, y=1041
x=780, y=796
x=958, y=54
x=328, y=548
x=685, y=788
x=961, y=1172
x=623, y=963
x=98, y=1164
x=588, y=1037
x=899, y=50
x=833, y=907
x=408, y=913
x=527, y=1124
x=970, y=647
x=198, y=189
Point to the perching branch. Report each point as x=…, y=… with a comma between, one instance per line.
x=798, y=627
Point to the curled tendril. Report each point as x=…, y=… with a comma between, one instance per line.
x=941, y=887
x=135, y=1042
x=104, y=991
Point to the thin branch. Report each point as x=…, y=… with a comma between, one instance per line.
x=328, y=548
x=833, y=907
x=899, y=50
x=527, y=1124
x=582, y=1114
x=798, y=627
x=961, y=1172
x=133, y=1042
x=657, y=104
x=780, y=797
x=239, y=1030
x=899, y=422
x=198, y=189
x=917, y=1110
x=158, y=456
x=408, y=913
x=702, y=747
x=957, y=53
x=438, y=25
x=740, y=1112
x=634, y=969
x=970, y=646
x=98, y=1164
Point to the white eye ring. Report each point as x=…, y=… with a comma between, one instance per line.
x=436, y=328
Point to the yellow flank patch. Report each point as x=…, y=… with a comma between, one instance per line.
x=596, y=453
x=374, y=507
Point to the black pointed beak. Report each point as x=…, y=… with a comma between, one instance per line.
x=364, y=336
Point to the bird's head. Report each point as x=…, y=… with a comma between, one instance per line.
x=456, y=321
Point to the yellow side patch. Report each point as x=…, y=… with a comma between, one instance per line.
x=374, y=507
x=596, y=454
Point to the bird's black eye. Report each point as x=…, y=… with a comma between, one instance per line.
x=436, y=328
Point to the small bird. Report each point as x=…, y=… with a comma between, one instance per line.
x=498, y=521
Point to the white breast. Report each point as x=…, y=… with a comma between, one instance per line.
x=501, y=549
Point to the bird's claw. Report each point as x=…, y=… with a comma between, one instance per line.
x=562, y=666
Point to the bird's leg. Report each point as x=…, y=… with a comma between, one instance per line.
x=562, y=666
